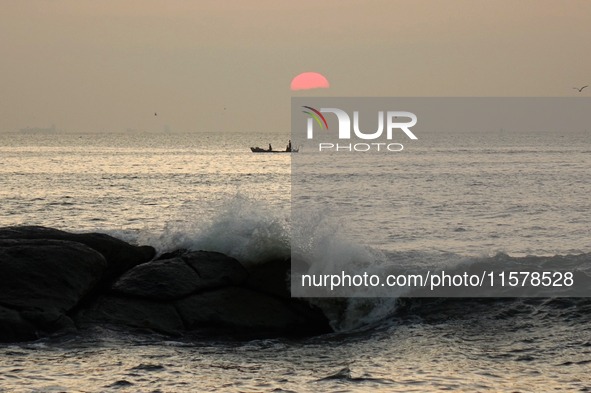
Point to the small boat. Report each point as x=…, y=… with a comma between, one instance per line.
x=261, y=150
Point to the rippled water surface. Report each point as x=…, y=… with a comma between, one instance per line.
x=520, y=346
x=473, y=195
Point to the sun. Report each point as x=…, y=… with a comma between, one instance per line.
x=309, y=80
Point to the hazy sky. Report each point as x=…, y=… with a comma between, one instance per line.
x=109, y=65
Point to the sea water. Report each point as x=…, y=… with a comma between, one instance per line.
x=458, y=196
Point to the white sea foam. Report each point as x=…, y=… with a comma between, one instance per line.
x=242, y=227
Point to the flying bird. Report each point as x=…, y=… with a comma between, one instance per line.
x=580, y=89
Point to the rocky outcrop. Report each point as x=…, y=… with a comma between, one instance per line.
x=52, y=280
x=120, y=256
x=206, y=291
x=41, y=281
x=130, y=312
x=245, y=311
x=271, y=277
x=13, y=327
x=163, y=280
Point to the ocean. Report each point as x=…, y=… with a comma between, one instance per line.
x=458, y=197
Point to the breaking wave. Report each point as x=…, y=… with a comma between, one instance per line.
x=254, y=232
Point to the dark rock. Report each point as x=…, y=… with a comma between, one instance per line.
x=159, y=280
x=210, y=293
x=271, y=277
x=216, y=269
x=245, y=311
x=136, y=313
x=176, y=278
x=14, y=328
x=51, y=276
x=49, y=321
x=41, y=281
x=120, y=255
x=173, y=254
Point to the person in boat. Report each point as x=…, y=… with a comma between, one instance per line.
x=288, y=148
x=270, y=148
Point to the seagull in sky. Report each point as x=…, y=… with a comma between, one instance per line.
x=580, y=89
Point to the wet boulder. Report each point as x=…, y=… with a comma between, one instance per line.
x=163, y=280
x=201, y=290
x=215, y=269
x=243, y=311
x=120, y=256
x=271, y=277
x=13, y=327
x=190, y=272
x=138, y=313
x=42, y=280
x=51, y=280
